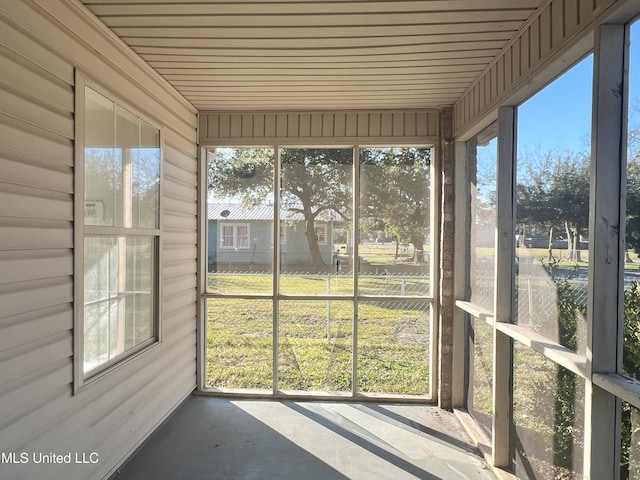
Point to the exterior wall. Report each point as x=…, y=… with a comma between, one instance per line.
x=557, y=26
x=41, y=45
x=212, y=244
x=295, y=249
x=259, y=252
x=311, y=128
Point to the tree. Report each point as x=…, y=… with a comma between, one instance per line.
x=317, y=184
x=314, y=183
x=631, y=368
x=633, y=181
x=554, y=193
x=633, y=204
x=395, y=192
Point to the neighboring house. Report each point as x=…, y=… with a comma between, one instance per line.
x=242, y=238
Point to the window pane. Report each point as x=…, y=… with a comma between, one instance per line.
x=240, y=220
x=316, y=201
x=227, y=236
x=548, y=417
x=315, y=345
x=553, y=208
x=321, y=234
x=482, y=183
x=393, y=347
x=242, y=236
x=121, y=166
x=96, y=334
x=481, y=381
x=239, y=344
x=126, y=145
x=482, y=151
x=145, y=184
x=119, y=299
x=394, y=221
x=631, y=353
x=315, y=242
x=102, y=162
x=630, y=452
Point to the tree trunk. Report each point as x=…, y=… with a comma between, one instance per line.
x=571, y=242
x=576, y=246
x=316, y=260
x=418, y=247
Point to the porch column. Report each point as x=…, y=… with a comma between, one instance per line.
x=504, y=281
x=461, y=271
x=447, y=247
x=605, y=313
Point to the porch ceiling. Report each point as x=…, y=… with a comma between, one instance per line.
x=245, y=55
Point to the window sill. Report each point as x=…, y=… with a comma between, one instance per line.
x=476, y=310
x=553, y=351
x=626, y=388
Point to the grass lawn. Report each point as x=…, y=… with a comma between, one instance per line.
x=320, y=284
x=560, y=255
x=384, y=253
x=548, y=414
x=316, y=342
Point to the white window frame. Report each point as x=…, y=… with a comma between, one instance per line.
x=235, y=237
x=83, y=229
x=431, y=307
x=321, y=227
x=282, y=232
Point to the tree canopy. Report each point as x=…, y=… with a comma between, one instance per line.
x=633, y=180
x=317, y=184
x=395, y=193
x=553, y=194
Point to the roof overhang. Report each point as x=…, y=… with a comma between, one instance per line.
x=256, y=55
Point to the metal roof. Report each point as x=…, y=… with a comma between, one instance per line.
x=235, y=212
x=232, y=212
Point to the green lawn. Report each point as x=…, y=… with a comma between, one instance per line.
x=319, y=284
x=316, y=343
x=560, y=255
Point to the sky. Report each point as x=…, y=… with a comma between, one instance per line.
x=558, y=117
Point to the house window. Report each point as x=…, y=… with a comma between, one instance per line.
x=283, y=232
x=227, y=236
x=321, y=233
x=119, y=161
x=234, y=235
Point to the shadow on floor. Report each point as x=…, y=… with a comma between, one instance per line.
x=228, y=439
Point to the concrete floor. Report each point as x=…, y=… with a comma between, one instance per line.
x=217, y=438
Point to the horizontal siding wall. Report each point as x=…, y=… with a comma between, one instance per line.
x=41, y=44
x=339, y=128
x=556, y=26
